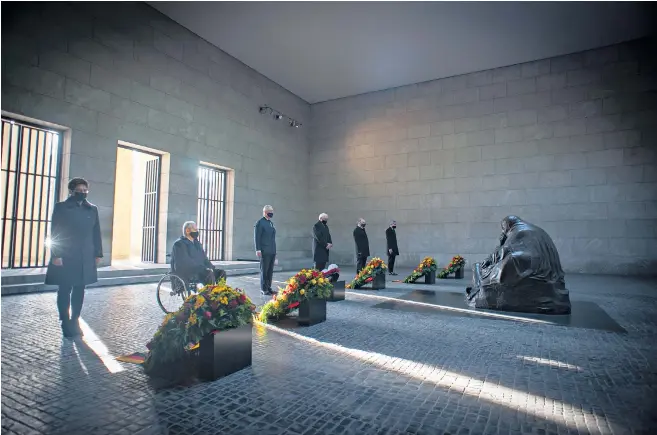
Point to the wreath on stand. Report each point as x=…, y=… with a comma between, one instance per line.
x=425, y=267
x=374, y=267
x=457, y=263
x=307, y=284
x=213, y=309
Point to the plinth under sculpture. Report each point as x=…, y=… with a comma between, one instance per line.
x=523, y=274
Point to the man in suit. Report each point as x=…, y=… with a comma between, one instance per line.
x=321, y=242
x=264, y=238
x=362, y=245
x=76, y=249
x=189, y=260
x=393, y=249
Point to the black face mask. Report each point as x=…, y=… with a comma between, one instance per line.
x=270, y=215
x=363, y=225
x=325, y=222
x=194, y=235
x=394, y=227
x=80, y=196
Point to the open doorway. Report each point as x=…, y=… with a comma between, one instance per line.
x=136, y=206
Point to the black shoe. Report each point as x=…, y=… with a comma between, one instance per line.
x=265, y=292
x=74, y=327
x=66, y=329
x=273, y=292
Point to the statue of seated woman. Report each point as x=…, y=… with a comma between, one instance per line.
x=523, y=274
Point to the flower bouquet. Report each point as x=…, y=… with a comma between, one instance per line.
x=332, y=272
x=454, y=266
x=425, y=267
x=214, y=308
x=374, y=267
x=304, y=286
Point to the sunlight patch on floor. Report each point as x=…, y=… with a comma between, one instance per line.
x=466, y=385
x=98, y=347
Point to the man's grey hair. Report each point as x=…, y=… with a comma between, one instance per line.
x=187, y=225
x=267, y=207
x=323, y=216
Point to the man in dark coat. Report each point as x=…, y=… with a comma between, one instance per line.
x=264, y=238
x=321, y=242
x=75, y=252
x=393, y=249
x=362, y=245
x=189, y=260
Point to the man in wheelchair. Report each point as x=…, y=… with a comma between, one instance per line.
x=189, y=261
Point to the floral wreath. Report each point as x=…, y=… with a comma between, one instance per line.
x=425, y=267
x=307, y=284
x=213, y=309
x=454, y=265
x=374, y=267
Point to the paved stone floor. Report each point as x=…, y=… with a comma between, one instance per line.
x=363, y=371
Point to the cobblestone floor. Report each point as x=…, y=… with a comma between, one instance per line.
x=363, y=371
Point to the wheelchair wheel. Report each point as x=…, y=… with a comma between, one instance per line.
x=171, y=293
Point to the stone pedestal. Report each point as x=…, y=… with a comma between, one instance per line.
x=379, y=282
x=312, y=312
x=224, y=352
x=430, y=278
x=337, y=293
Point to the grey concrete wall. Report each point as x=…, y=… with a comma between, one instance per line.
x=123, y=71
x=567, y=143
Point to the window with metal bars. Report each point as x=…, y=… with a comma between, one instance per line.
x=30, y=181
x=212, y=210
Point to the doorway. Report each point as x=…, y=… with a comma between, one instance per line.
x=30, y=177
x=136, y=206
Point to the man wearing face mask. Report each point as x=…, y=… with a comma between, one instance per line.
x=264, y=238
x=393, y=249
x=362, y=245
x=189, y=261
x=75, y=249
x=321, y=242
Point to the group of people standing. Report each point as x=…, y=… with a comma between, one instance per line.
x=76, y=250
x=265, y=246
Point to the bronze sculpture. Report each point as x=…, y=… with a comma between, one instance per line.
x=523, y=274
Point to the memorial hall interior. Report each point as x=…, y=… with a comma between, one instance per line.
x=507, y=150
x=558, y=131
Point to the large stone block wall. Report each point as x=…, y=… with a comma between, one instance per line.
x=123, y=71
x=567, y=143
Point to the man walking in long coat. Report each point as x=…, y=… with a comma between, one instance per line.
x=362, y=245
x=321, y=242
x=75, y=252
x=393, y=249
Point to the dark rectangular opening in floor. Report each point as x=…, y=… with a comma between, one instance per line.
x=584, y=314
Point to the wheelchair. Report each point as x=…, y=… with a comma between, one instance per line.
x=172, y=291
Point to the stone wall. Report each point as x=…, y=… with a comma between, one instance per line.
x=567, y=143
x=123, y=71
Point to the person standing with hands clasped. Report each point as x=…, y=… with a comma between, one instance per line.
x=264, y=237
x=362, y=245
x=393, y=249
x=321, y=242
x=75, y=252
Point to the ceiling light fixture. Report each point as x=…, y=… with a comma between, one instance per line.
x=266, y=110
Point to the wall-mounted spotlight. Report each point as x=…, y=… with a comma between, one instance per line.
x=279, y=116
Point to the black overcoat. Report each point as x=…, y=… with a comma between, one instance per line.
x=321, y=238
x=391, y=241
x=75, y=238
x=362, y=243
